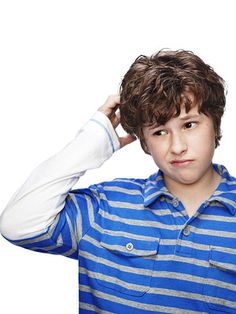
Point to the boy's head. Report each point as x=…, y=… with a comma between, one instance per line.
x=154, y=89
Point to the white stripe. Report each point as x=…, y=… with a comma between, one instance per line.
x=136, y=222
x=137, y=305
x=92, y=307
x=163, y=274
x=161, y=291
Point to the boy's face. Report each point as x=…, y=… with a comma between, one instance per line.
x=183, y=148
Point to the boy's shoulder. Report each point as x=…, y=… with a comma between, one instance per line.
x=131, y=183
x=225, y=193
x=226, y=176
x=123, y=184
x=133, y=190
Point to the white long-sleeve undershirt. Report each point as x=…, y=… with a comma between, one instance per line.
x=35, y=205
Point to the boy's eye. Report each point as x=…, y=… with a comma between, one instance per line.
x=189, y=125
x=160, y=132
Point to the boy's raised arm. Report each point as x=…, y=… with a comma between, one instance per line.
x=35, y=205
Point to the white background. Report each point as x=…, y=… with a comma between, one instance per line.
x=59, y=60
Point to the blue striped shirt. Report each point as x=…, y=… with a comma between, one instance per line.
x=140, y=252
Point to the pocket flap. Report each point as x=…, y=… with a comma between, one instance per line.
x=223, y=259
x=129, y=246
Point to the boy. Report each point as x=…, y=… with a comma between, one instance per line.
x=165, y=244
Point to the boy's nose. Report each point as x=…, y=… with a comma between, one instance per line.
x=178, y=144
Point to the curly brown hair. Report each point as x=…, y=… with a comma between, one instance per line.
x=153, y=90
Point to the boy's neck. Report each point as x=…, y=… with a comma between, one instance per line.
x=193, y=195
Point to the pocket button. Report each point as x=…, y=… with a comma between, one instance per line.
x=129, y=246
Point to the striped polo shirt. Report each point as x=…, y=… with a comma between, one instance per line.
x=139, y=251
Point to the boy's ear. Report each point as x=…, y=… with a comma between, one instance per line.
x=144, y=147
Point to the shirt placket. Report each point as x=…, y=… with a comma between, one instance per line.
x=185, y=240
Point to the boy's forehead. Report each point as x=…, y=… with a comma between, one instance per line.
x=194, y=111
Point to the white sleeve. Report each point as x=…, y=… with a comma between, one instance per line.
x=35, y=205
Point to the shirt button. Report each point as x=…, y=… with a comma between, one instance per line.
x=175, y=202
x=186, y=231
x=129, y=246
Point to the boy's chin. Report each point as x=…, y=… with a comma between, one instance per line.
x=187, y=179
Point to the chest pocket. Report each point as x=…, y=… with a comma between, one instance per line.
x=126, y=264
x=220, y=288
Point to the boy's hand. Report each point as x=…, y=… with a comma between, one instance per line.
x=110, y=110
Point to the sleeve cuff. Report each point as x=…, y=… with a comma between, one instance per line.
x=101, y=119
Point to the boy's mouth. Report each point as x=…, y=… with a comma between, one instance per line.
x=180, y=162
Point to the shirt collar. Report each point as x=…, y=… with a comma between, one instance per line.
x=225, y=193
x=155, y=188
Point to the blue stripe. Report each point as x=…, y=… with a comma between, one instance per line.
x=167, y=269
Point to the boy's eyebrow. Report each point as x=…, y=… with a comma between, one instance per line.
x=189, y=116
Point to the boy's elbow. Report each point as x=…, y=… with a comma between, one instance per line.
x=11, y=228
x=15, y=226
x=7, y=229
x=4, y=225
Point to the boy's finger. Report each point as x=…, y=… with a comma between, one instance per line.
x=115, y=121
x=113, y=101
x=128, y=139
x=110, y=105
